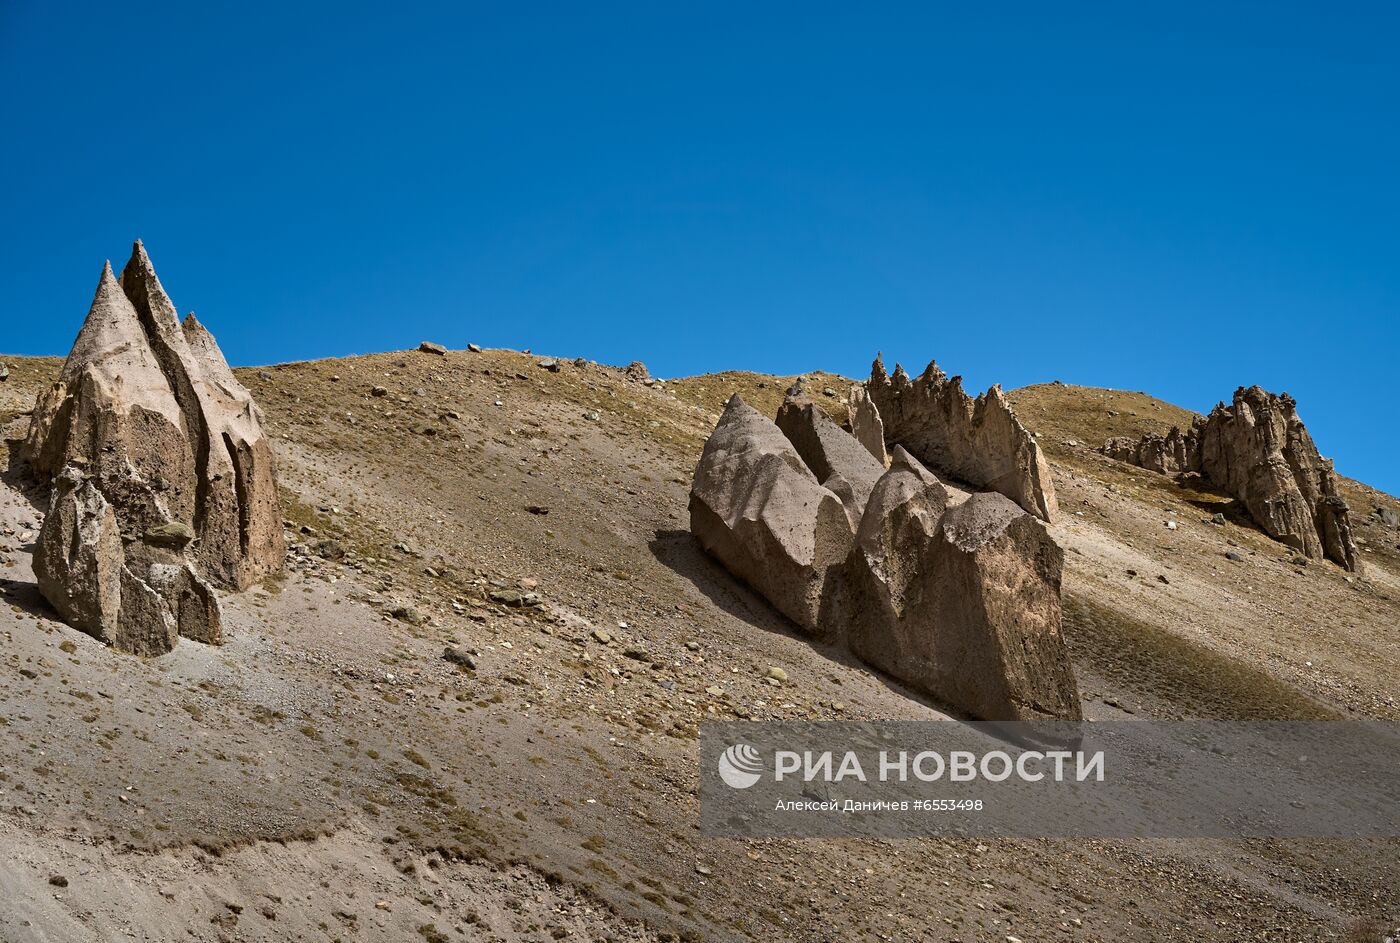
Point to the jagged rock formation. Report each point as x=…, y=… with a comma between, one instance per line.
x=866, y=424
x=1258, y=451
x=839, y=462
x=978, y=441
x=959, y=600
x=165, y=479
x=1166, y=454
x=762, y=513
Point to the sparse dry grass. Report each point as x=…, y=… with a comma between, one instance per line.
x=763, y=392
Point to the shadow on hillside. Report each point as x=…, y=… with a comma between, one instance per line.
x=17, y=475
x=679, y=552
x=1205, y=497
x=25, y=595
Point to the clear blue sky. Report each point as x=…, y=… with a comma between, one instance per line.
x=1173, y=198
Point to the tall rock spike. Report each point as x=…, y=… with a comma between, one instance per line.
x=128, y=410
x=149, y=428
x=235, y=511
x=877, y=369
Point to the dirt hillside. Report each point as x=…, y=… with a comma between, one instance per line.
x=329, y=774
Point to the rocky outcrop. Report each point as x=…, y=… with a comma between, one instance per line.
x=240, y=540
x=977, y=441
x=866, y=424
x=960, y=600
x=78, y=559
x=1259, y=452
x=1167, y=454
x=838, y=461
x=758, y=509
x=147, y=418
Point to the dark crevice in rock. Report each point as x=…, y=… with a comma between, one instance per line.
x=240, y=488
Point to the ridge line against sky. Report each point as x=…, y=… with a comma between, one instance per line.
x=1179, y=202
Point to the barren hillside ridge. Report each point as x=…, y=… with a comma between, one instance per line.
x=468, y=710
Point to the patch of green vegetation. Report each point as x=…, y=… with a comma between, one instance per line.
x=431, y=934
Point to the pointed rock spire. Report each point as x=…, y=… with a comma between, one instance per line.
x=206, y=350
x=147, y=295
x=148, y=416
x=877, y=369
x=932, y=372
x=112, y=349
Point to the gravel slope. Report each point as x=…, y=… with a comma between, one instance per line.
x=329, y=765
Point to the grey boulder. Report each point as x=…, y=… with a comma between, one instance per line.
x=761, y=512
x=961, y=602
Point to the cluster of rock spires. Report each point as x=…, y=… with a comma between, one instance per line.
x=979, y=441
x=164, y=482
x=1258, y=451
x=960, y=599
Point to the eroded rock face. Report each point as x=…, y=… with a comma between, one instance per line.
x=866, y=424
x=959, y=600
x=837, y=460
x=978, y=441
x=758, y=509
x=149, y=418
x=1167, y=454
x=1258, y=451
x=242, y=540
x=235, y=516
x=78, y=559
x=136, y=595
